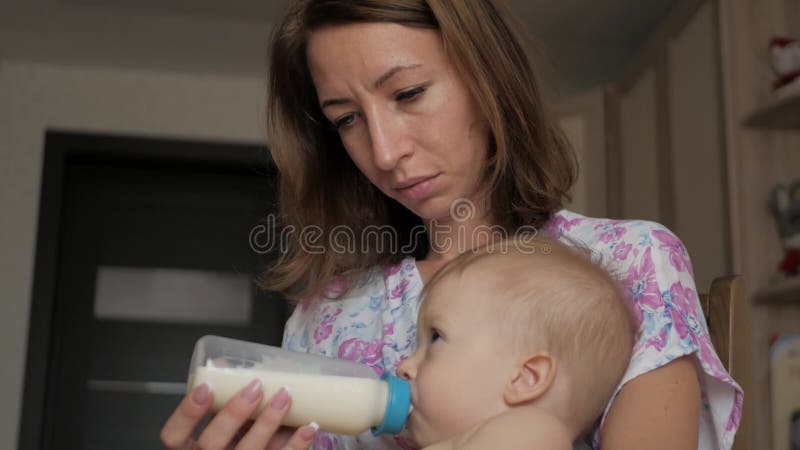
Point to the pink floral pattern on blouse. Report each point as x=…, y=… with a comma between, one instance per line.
x=375, y=323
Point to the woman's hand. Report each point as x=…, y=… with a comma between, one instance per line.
x=232, y=428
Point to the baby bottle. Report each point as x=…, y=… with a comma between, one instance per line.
x=342, y=397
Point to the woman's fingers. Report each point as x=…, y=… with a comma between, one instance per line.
x=223, y=427
x=230, y=425
x=267, y=423
x=280, y=438
x=179, y=427
x=302, y=438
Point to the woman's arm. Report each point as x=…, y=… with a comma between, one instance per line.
x=659, y=410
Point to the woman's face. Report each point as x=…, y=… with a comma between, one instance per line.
x=403, y=114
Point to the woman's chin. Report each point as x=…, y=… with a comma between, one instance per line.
x=437, y=209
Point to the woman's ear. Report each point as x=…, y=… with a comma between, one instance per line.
x=530, y=380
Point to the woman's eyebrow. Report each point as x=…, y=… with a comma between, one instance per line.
x=376, y=84
x=391, y=72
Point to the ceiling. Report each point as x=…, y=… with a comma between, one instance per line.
x=586, y=42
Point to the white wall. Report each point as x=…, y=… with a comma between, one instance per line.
x=697, y=148
x=639, y=149
x=583, y=118
x=37, y=97
x=695, y=206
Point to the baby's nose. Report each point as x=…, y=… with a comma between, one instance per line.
x=406, y=370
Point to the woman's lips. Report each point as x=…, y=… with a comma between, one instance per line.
x=417, y=189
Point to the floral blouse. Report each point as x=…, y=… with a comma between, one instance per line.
x=375, y=322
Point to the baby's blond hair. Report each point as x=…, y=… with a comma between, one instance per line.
x=555, y=299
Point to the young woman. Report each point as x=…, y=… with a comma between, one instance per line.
x=424, y=118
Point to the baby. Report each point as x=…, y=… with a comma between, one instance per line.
x=520, y=345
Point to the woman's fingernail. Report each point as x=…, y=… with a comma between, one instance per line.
x=308, y=432
x=253, y=391
x=281, y=398
x=200, y=394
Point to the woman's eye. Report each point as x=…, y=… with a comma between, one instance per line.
x=344, y=121
x=410, y=94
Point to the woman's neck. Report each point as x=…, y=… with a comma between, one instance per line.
x=453, y=237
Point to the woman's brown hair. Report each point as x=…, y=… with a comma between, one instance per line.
x=530, y=166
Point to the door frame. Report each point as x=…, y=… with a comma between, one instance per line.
x=60, y=150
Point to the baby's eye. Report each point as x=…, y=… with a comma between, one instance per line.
x=435, y=335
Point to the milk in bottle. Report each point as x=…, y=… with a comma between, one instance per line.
x=343, y=397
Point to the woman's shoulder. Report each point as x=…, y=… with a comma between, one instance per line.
x=619, y=243
x=569, y=224
x=654, y=270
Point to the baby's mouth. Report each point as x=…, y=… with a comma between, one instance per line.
x=409, y=418
x=407, y=434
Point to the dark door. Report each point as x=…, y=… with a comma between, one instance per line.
x=154, y=253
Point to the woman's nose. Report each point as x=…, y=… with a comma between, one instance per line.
x=389, y=142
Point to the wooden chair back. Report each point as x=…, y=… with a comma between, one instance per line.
x=725, y=308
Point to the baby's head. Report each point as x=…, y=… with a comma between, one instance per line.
x=518, y=324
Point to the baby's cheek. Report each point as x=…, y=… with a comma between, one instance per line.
x=444, y=410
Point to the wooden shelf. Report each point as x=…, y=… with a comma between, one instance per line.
x=781, y=112
x=787, y=291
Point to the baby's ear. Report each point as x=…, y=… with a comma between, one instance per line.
x=530, y=380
